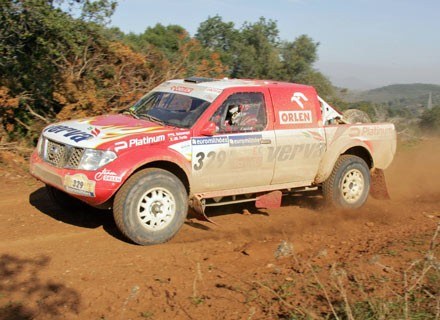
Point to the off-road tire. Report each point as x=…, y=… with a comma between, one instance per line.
x=131, y=217
x=349, y=183
x=64, y=200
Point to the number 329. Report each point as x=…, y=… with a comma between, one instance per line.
x=209, y=159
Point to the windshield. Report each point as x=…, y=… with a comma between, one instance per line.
x=170, y=108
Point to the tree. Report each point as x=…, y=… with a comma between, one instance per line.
x=255, y=51
x=218, y=36
x=430, y=120
x=49, y=60
x=257, y=54
x=298, y=58
x=175, y=53
x=36, y=40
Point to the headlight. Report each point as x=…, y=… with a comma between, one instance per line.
x=40, y=146
x=94, y=159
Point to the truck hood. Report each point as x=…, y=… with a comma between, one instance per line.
x=98, y=131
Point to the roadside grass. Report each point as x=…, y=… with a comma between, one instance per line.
x=399, y=288
x=412, y=292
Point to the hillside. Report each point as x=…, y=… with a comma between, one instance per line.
x=399, y=95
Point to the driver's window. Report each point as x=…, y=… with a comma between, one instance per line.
x=241, y=112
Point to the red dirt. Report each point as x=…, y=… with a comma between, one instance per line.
x=59, y=265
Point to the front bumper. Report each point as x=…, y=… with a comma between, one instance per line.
x=92, y=187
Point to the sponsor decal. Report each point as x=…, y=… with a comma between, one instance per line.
x=184, y=148
x=209, y=140
x=247, y=140
x=314, y=135
x=297, y=97
x=95, y=131
x=107, y=175
x=79, y=184
x=209, y=159
x=214, y=90
x=289, y=152
x=182, y=89
x=137, y=142
x=69, y=132
x=178, y=136
x=295, y=117
x=246, y=163
x=354, y=132
x=370, y=131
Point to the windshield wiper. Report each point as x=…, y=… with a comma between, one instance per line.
x=154, y=119
x=131, y=112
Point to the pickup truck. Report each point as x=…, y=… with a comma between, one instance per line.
x=199, y=142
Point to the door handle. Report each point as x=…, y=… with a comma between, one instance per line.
x=265, y=141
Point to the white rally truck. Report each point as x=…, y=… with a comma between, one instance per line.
x=198, y=142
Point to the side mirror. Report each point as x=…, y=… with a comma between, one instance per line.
x=209, y=129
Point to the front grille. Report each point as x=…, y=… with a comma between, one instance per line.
x=75, y=157
x=55, y=153
x=61, y=155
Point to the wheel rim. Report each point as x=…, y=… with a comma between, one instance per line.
x=353, y=185
x=156, y=209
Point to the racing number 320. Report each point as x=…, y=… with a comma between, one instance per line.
x=209, y=158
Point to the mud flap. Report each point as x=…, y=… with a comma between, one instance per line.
x=378, y=189
x=269, y=200
x=198, y=209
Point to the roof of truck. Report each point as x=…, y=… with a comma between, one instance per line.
x=231, y=83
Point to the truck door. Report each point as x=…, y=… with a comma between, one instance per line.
x=235, y=156
x=299, y=134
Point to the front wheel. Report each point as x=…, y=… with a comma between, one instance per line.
x=349, y=183
x=151, y=206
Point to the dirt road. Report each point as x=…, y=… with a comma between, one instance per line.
x=64, y=265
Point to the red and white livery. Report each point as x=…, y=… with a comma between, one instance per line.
x=202, y=142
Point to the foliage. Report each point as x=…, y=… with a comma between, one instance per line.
x=399, y=96
x=219, y=36
x=180, y=54
x=36, y=40
x=59, y=60
x=256, y=51
x=54, y=66
x=430, y=120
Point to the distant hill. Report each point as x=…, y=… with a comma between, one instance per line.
x=399, y=95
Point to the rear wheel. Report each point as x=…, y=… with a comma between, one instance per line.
x=151, y=206
x=349, y=183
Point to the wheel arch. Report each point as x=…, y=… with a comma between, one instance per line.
x=362, y=153
x=356, y=148
x=169, y=166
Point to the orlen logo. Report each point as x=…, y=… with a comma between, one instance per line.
x=297, y=97
x=182, y=89
x=295, y=117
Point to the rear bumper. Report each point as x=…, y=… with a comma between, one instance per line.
x=80, y=184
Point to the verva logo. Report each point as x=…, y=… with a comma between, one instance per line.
x=69, y=132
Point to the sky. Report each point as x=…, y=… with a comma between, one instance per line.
x=363, y=43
